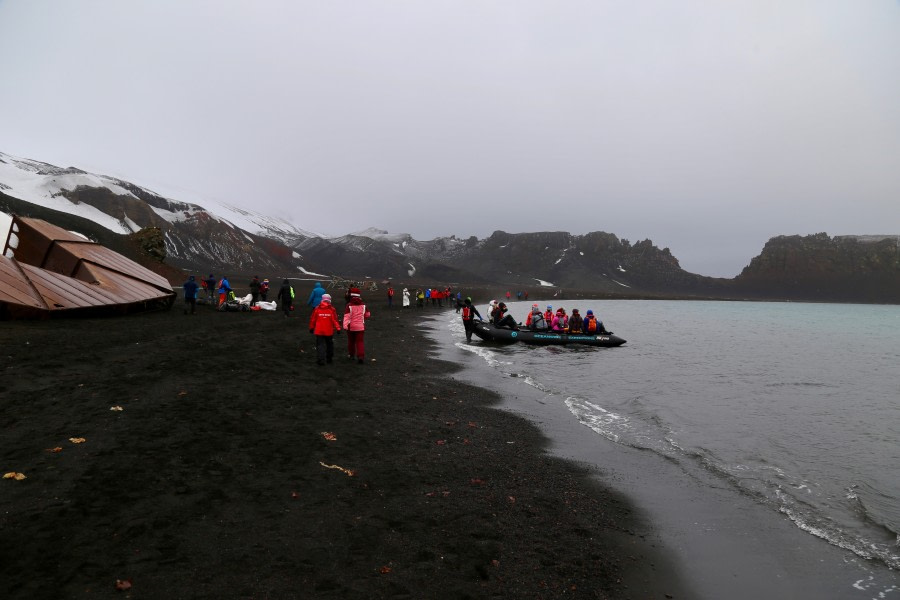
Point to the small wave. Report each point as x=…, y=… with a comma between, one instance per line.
x=604, y=422
x=815, y=384
x=535, y=384
x=812, y=522
x=489, y=357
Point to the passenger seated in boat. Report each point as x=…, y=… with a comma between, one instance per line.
x=575, y=322
x=492, y=306
x=501, y=319
x=593, y=325
x=535, y=320
x=560, y=320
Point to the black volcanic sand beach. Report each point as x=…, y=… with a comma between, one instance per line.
x=216, y=478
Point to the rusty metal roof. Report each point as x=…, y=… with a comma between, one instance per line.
x=45, y=268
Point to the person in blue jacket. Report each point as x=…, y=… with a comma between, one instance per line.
x=315, y=297
x=190, y=294
x=224, y=288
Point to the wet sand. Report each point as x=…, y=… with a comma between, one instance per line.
x=216, y=479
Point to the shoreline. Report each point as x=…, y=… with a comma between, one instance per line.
x=721, y=542
x=215, y=479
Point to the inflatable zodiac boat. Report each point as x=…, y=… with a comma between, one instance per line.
x=490, y=333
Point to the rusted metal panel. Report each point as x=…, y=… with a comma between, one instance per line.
x=35, y=237
x=121, y=286
x=15, y=288
x=63, y=292
x=63, y=272
x=110, y=260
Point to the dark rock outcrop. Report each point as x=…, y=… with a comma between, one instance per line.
x=821, y=268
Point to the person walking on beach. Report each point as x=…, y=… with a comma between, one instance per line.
x=211, y=290
x=315, y=296
x=254, y=290
x=286, y=297
x=355, y=316
x=323, y=323
x=224, y=288
x=390, y=297
x=264, y=290
x=469, y=312
x=405, y=298
x=190, y=294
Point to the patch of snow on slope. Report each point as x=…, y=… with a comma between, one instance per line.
x=620, y=283
x=411, y=270
x=620, y=269
x=543, y=283
x=382, y=235
x=581, y=253
x=170, y=216
x=254, y=222
x=558, y=260
x=131, y=224
x=295, y=255
x=302, y=270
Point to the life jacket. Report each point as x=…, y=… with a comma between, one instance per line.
x=467, y=313
x=590, y=324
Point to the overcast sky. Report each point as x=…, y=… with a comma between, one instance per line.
x=707, y=127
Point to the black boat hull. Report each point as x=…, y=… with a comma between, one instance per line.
x=489, y=333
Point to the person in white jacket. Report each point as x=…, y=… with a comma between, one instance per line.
x=405, y=298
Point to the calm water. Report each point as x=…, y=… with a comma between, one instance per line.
x=796, y=406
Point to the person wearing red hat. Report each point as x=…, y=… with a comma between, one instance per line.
x=355, y=315
x=323, y=323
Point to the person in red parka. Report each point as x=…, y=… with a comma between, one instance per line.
x=323, y=323
x=355, y=316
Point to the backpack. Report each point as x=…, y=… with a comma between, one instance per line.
x=292, y=292
x=590, y=324
x=537, y=321
x=467, y=313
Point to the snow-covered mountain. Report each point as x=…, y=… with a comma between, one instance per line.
x=51, y=186
x=217, y=235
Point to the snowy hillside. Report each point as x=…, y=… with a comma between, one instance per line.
x=41, y=183
x=44, y=184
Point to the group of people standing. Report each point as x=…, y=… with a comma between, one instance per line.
x=218, y=292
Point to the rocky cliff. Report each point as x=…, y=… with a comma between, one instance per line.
x=821, y=268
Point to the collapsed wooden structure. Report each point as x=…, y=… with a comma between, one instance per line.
x=48, y=271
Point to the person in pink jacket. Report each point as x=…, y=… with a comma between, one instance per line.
x=355, y=316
